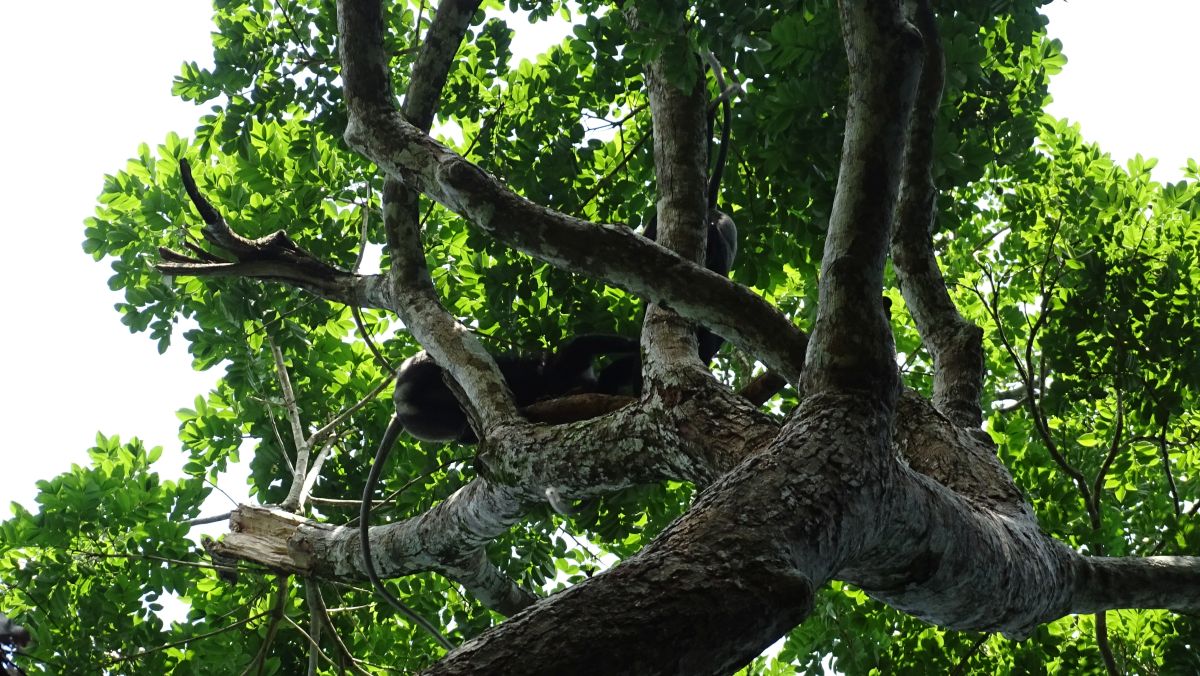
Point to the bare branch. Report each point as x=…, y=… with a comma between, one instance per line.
x=275, y=257
x=207, y=519
x=1110, y=664
x=182, y=642
x=310, y=479
x=852, y=349
x=292, y=409
x=278, y=608
x=1113, y=448
x=317, y=607
x=1165, y=456
x=955, y=344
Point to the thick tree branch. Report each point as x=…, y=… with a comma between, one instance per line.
x=852, y=348
x=680, y=170
x=735, y=605
x=419, y=308
x=607, y=252
x=1169, y=582
x=287, y=543
x=955, y=344
x=435, y=58
x=450, y=343
x=962, y=459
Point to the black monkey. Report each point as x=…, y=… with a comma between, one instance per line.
x=427, y=409
x=721, y=249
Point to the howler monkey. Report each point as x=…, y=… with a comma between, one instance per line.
x=721, y=248
x=427, y=409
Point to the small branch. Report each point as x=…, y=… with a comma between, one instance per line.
x=320, y=608
x=955, y=344
x=311, y=479
x=334, y=502
x=287, y=459
x=315, y=648
x=139, y=557
x=207, y=519
x=1166, y=463
x=366, y=336
x=276, y=613
x=295, y=33
x=289, y=399
x=185, y=641
x=604, y=180
x=303, y=448
x=1035, y=411
x=326, y=430
x=314, y=629
x=961, y=667
x=1110, y=664
x=1113, y=449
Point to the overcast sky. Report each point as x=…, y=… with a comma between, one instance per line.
x=90, y=82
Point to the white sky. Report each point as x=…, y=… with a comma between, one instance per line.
x=85, y=90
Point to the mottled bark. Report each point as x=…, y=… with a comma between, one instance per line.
x=851, y=348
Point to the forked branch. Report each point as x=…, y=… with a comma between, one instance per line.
x=955, y=344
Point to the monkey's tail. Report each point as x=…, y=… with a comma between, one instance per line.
x=364, y=522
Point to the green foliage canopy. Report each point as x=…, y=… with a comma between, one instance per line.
x=1083, y=274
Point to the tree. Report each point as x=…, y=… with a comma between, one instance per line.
x=1016, y=496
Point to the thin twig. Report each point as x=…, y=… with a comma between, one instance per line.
x=295, y=33
x=1114, y=447
x=356, y=312
x=140, y=557
x=311, y=479
x=312, y=642
x=328, y=428
x=277, y=613
x=303, y=445
x=185, y=641
x=1110, y=664
x=323, y=610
